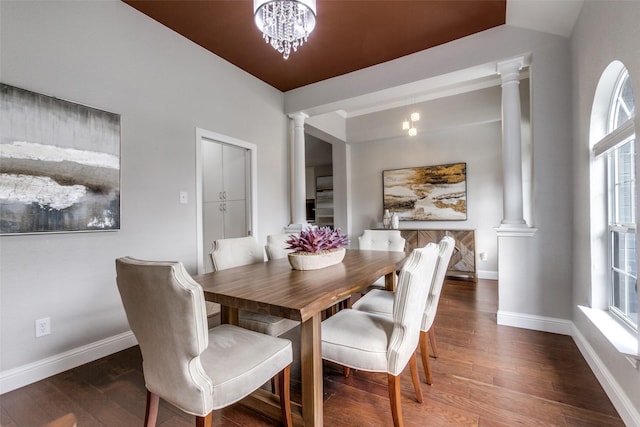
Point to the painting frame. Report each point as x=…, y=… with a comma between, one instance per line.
x=426, y=193
x=60, y=165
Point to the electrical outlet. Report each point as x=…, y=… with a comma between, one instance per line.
x=184, y=198
x=43, y=327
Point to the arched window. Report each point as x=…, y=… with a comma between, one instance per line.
x=622, y=101
x=615, y=150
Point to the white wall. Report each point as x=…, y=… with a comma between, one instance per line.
x=462, y=128
x=107, y=55
x=536, y=286
x=605, y=31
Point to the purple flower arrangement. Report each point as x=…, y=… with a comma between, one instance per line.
x=316, y=240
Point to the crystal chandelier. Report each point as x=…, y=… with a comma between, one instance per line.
x=285, y=24
x=410, y=125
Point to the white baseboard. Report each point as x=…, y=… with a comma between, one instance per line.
x=537, y=323
x=12, y=379
x=627, y=411
x=487, y=274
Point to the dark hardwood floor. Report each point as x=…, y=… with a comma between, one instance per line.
x=486, y=375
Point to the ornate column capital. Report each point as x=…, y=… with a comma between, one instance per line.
x=510, y=70
x=298, y=118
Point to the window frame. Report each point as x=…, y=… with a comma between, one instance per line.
x=621, y=336
x=616, y=227
x=617, y=136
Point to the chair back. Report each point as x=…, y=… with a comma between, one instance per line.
x=166, y=312
x=409, y=302
x=234, y=252
x=381, y=240
x=445, y=246
x=276, y=246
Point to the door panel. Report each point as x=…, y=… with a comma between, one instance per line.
x=212, y=182
x=226, y=204
x=213, y=228
x=235, y=218
x=223, y=163
x=234, y=172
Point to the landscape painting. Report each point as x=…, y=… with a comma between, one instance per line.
x=59, y=165
x=428, y=193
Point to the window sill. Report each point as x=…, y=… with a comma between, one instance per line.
x=621, y=337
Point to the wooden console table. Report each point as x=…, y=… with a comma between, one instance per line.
x=463, y=259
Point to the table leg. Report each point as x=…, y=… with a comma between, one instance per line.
x=311, y=366
x=228, y=315
x=390, y=281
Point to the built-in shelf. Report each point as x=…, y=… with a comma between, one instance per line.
x=324, y=201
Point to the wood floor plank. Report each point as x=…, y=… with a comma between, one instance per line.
x=22, y=409
x=486, y=375
x=101, y=410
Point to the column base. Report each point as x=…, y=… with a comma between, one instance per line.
x=514, y=222
x=515, y=230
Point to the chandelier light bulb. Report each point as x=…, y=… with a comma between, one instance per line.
x=409, y=125
x=285, y=24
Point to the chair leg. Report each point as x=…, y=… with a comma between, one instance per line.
x=424, y=355
x=413, y=366
x=151, y=412
x=285, y=398
x=206, y=421
x=331, y=311
x=394, y=398
x=432, y=339
x=68, y=420
x=346, y=303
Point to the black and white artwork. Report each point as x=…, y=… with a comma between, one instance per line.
x=59, y=165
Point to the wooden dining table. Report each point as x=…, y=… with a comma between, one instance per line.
x=273, y=287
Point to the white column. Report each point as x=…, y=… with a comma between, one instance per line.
x=511, y=144
x=515, y=279
x=298, y=184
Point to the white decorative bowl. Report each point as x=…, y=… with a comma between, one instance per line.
x=308, y=261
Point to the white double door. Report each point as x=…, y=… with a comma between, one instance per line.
x=226, y=194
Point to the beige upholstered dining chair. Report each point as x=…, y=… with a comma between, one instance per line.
x=234, y=252
x=381, y=240
x=375, y=343
x=196, y=369
x=381, y=302
x=276, y=246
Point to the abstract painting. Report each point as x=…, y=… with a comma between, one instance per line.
x=59, y=165
x=428, y=193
